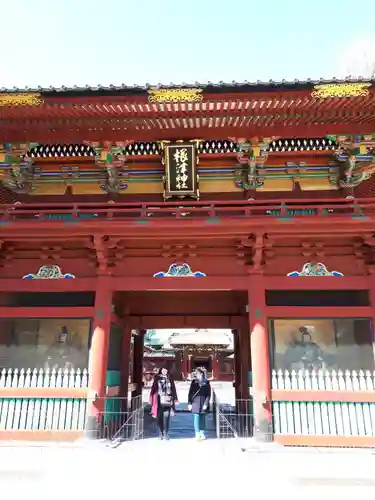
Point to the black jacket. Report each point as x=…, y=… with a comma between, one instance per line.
x=155, y=388
x=199, y=396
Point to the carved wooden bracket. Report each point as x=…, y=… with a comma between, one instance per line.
x=312, y=249
x=252, y=153
x=355, y=153
x=110, y=157
x=16, y=166
x=367, y=250
x=254, y=260
x=101, y=249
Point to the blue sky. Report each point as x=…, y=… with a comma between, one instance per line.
x=137, y=41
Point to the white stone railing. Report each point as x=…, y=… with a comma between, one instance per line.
x=362, y=380
x=325, y=418
x=32, y=412
x=14, y=378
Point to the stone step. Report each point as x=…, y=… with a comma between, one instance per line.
x=181, y=426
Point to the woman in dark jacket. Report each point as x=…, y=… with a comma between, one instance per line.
x=163, y=399
x=199, y=401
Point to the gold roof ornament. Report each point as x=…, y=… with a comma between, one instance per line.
x=175, y=95
x=331, y=90
x=23, y=99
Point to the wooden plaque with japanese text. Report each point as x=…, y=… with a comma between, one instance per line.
x=181, y=178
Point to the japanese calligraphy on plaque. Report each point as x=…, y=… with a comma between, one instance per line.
x=181, y=177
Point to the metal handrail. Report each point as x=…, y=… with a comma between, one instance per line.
x=220, y=417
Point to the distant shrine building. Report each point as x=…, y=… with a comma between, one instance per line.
x=185, y=350
x=239, y=218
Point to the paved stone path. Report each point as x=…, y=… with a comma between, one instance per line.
x=62, y=471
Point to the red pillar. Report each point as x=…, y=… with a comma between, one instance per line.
x=185, y=364
x=125, y=363
x=215, y=366
x=244, y=355
x=98, y=357
x=237, y=364
x=189, y=364
x=138, y=364
x=260, y=360
x=182, y=365
x=372, y=298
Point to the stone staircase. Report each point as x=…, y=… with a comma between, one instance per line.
x=181, y=426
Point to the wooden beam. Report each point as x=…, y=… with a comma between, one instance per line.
x=46, y=312
x=217, y=227
x=209, y=283
x=178, y=321
x=40, y=285
x=130, y=283
x=131, y=116
x=317, y=282
x=318, y=312
x=49, y=132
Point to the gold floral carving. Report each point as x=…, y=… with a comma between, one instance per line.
x=341, y=90
x=175, y=95
x=23, y=99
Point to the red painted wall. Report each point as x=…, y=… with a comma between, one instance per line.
x=186, y=303
x=147, y=267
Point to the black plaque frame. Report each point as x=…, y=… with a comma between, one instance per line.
x=191, y=189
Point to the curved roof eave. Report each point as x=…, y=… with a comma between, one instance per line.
x=209, y=86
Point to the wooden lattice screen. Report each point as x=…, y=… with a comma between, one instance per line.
x=6, y=195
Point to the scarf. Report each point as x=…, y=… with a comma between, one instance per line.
x=164, y=386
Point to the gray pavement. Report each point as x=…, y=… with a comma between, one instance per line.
x=93, y=467
x=232, y=465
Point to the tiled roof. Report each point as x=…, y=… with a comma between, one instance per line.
x=201, y=337
x=209, y=86
x=160, y=354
